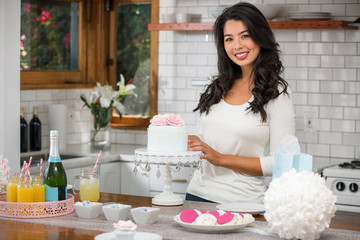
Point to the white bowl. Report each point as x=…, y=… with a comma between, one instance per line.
x=145, y=215
x=115, y=214
x=270, y=11
x=84, y=211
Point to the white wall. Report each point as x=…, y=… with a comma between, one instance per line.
x=322, y=67
x=10, y=82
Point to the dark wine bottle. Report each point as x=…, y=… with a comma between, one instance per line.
x=54, y=176
x=23, y=132
x=35, y=132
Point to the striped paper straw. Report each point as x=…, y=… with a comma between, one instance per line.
x=41, y=166
x=22, y=170
x=97, y=160
x=7, y=173
x=27, y=172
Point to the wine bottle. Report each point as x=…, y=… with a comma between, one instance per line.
x=23, y=132
x=35, y=132
x=54, y=175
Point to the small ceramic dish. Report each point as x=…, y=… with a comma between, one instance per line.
x=145, y=215
x=88, y=209
x=116, y=212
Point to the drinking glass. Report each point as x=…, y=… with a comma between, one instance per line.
x=89, y=185
x=25, y=191
x=11, y=188
x=38, y=189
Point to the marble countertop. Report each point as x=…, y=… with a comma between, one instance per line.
x=117, y=152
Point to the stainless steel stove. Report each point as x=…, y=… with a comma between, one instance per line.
x=344, y=181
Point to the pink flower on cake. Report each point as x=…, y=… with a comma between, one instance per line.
x=159, y=120
x=175, y=120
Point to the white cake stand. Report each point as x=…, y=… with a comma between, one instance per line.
x=167, y=197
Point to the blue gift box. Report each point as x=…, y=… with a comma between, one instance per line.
x=284, y=162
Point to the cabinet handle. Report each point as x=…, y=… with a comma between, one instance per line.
x=179, y=180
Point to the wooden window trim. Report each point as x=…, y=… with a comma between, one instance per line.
x=137, y=122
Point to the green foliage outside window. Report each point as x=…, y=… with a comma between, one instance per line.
x=46, y=36
x=133, y=54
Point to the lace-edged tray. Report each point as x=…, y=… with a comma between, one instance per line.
x=35, y=210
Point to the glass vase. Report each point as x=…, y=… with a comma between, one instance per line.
x=100, y=139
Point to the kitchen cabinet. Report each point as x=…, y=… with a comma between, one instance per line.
x=110, y=177
x=331, y=24
x=132, y=184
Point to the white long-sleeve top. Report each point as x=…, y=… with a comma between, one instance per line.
x=231, y=129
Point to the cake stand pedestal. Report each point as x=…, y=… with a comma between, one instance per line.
x=167, y=197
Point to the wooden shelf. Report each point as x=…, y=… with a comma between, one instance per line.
x=333, y=24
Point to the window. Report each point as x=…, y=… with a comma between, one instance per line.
x=74, y=44
x=50, y=53
x=133, y=45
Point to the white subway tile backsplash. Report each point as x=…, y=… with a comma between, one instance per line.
x=320, y=99
x=308, y=61
x=323, y=124
x=176, y=59
x=345, y=1
x=332, y=35
x=352, y=139
x=358, y=126
x=322, y=150
x=342, y=151
x=308, y=35
x=185, y=94
x=352, y=61
x=296, y=48
x=331, y=87
x=330, y=138
x=344, y=74
x=331, y=112
x=309, y=8
x=352, y=113
x=289, y=60
x=352, y=36
x=197, y=59
x=344, y=100
x=299, y=98
x=333, y=61
x=320, y=48
x=287, y=35
x=308, y=86
x=296, y=73
x=320, y=1
x=206, y=71
x=320, y=73
x=343, y=125
x=334, y=9
x=345, y=48
x=353, y=10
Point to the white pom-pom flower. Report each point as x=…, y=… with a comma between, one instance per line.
x=299, y=205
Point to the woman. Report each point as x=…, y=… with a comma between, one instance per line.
x=246, y=111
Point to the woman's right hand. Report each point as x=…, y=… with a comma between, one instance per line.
x=208, y=153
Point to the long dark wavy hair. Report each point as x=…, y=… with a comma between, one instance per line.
x=267, y=66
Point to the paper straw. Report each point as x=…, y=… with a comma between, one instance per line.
x=27, y=172
x=41, y=166
x=22, y=170
x=97, y=160
x=7, y=173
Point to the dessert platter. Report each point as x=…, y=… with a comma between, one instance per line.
x=167, y=145
x=213, y=221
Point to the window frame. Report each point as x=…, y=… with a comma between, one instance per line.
x=136, y=122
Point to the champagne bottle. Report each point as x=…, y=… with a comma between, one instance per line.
x=23, y=132
x=35, y=132
x=55, y=176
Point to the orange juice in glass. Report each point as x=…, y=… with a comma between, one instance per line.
x=38, y=189
x=11, y=188
x=25, y=191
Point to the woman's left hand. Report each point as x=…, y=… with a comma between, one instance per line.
x=208, y=153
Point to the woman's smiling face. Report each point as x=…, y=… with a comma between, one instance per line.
x=239, y=45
